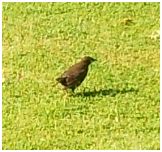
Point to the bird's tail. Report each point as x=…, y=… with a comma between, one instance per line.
x=61, y=79
x=58, y=80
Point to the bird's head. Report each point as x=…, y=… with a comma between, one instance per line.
x=88, y=59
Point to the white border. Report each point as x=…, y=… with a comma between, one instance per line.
x=160, y=75
x=1, y=75
x=80, y=1
x=66, y=1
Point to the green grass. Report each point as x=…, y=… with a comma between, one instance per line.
x=116, y=107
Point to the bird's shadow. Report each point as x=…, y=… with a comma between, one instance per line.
x=105, y=92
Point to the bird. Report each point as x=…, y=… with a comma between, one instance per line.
x=75, y=74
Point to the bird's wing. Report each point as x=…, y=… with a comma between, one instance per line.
x=75, y=77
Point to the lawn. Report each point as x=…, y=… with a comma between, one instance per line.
x=118, y=104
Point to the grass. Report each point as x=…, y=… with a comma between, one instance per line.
x=116, y=107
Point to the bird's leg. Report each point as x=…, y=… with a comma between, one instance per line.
x=69, y=91
x=66, y=89
x=65, y=94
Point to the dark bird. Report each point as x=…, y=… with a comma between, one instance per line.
x=75, y=75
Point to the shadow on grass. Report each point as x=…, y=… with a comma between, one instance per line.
x=105, y=92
